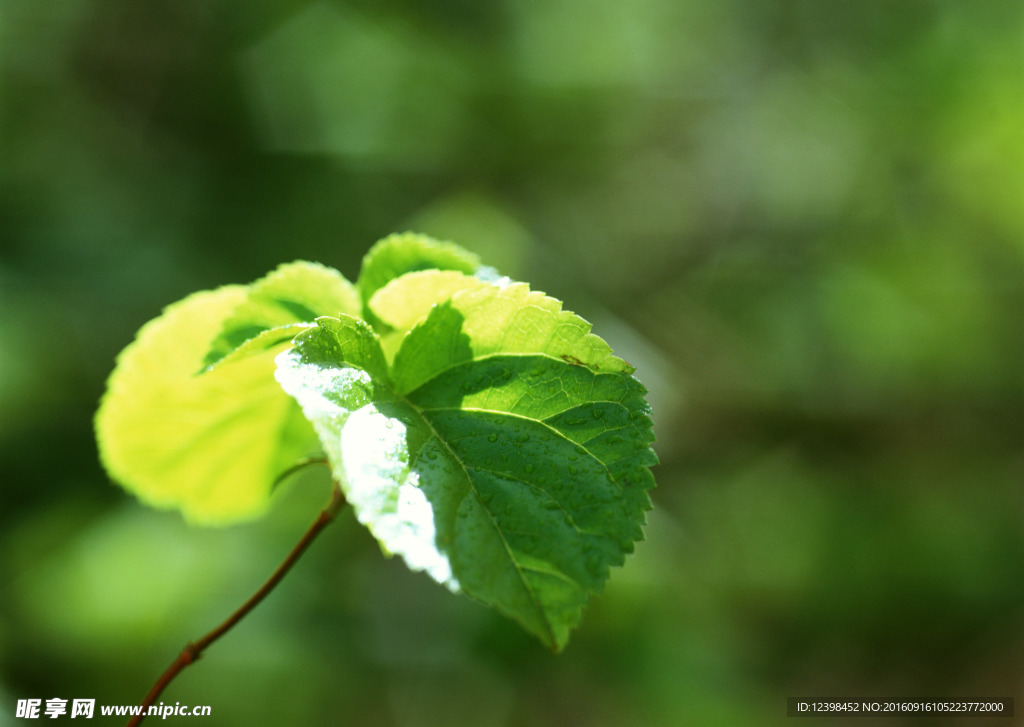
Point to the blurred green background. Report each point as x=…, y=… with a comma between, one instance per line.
x=802, y=221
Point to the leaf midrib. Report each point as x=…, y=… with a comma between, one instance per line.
x=472, y=489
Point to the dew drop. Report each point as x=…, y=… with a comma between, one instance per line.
x=597, y=413
x=492, y=437
x=573, y=470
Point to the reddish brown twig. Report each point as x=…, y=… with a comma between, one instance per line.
x=194, y=649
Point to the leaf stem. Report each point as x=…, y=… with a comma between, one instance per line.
x=194, y=649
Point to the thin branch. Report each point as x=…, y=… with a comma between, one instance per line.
x=193, y=650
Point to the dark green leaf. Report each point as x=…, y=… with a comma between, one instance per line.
x=506, y=452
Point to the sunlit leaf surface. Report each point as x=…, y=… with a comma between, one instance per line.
x=505, y=452
x=294, y=292
x=212, y=441
x=476, y=428
x=405, y=253
x=211, y=444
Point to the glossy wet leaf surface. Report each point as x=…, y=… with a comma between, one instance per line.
x=477, y=429
x=508, y=458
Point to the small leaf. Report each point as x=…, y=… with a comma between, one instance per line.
x=407, y=299
x=294, y=292
x=212, y=444
x=397, y=255
x=506, y=452
x=266, y=340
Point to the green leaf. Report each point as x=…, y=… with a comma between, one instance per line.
x=404, y=301
x=505, y=451
x=212, y=444
x=399, y=254
x=477, y=429
x=294, y=292
x=272, y=338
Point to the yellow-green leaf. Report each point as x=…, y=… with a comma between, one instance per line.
x=295, y=292
x=210, y=445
